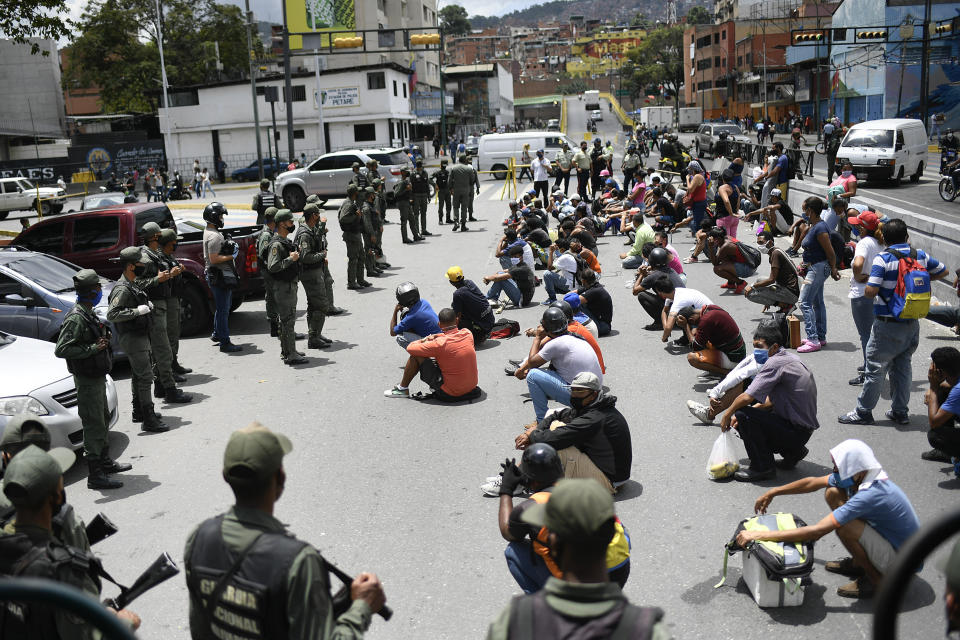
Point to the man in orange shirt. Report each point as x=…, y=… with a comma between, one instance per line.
x=446, y=362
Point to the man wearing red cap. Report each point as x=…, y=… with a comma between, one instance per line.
x=868, y=225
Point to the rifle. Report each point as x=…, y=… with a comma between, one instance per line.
x=341, y=599
x=162, y=569
x=100, y=528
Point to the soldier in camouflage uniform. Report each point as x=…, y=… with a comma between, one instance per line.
x=421, y=196
x=130, y=313
x=309, y=242
x=351, y=223
x=441, y=181
x=380, y=204
x=475, y=191
x=263, y=244
x=461, y=183
x=168, y=245
x=371, y=220
x=403, y=197
x=359, y=178
x=284, y=265
x=84, y=342
x=332, y=309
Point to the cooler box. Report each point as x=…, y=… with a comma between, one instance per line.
x=785, y=592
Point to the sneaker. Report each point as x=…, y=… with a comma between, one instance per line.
x=935, y=455
x=515, y=363
x=548, y=302
x=492, y=487
x=727, y=285
x=740, y=287
x=511, y=370
x=844, y=567
x=858, y=381
x=397, y=392
x=700, y=411
x=653, y=326
x=808, y=347
x=862, y=587
x=896, y=416
x=855, y=417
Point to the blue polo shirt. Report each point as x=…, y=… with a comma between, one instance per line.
x=884, y=506
x=885, y=270
x=421, y=319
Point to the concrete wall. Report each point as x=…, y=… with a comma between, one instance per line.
x=32, y=98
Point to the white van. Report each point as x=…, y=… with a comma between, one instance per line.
x=885, y=149
x=496, y=149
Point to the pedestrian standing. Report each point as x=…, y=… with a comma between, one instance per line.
x=436, y=146
x=351, y=223
x=821, y=262
x=461, y=181
x=564, y=161
x=84, y=342
x=168, y=245
x=541, y=175
x=403, y=198
x=582, y=163
x=284, y=266
x=263, y=255
x=474, y=189
x=525, y=163
x=860, y=305
x=265, y=199
x=441, y=182
x=309, y=244
x=206, y=185
x=420, y=183
x=220, y=273
x=129, y=313
x=221, y=168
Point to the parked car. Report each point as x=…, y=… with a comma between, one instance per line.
x=92, y=238
x=596, y=115
x=329, y=175
x=472, y=145
x=97, y=200
x=19, y=194
x=251, y=172
x=496, y=149
x=36, y=293
x=553, y=124
x=708, y=134
x=888, y=149
x=33, y=380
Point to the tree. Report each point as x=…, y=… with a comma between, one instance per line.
x=639, y=20
x=24, y=19
x=453, y=20
x=657, y=61
x=698, y=15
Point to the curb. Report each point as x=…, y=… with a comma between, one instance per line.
x=200, y=205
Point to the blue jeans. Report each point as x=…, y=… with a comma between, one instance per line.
x=862, y=309
x=222, y=300
x=526, y=567
x=554, y=283
x=405, y=338
x=603, y=328
x=891, y=346
x=505, y=262
x=632, y=262
x=546, y=385
x=507, y=286
x=811, y=302
x=699, y=211
x=946, y=315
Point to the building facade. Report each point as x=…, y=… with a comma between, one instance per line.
x=31, y=107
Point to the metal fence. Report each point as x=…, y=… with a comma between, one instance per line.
x=756, y=154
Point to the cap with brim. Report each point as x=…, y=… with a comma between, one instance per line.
x=86, y=279
x=575, y=196
x=586, y=380
x=14, y=439
x=270, y=213
x=575, y=510
x=33, y=474
x=283, y=215
x=168, y=235
x=868, y=220
x=130, y=255
x=311, y=199
x=311, y=209
x=776, y=192
x=150, y=229
x=254, y=454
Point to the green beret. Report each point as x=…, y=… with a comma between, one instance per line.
x=86, y=279
x=283, y=215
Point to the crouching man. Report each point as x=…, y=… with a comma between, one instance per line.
x=446, y=362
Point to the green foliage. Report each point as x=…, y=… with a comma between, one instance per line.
x=574, y=85
x=698, y=15
x=453, y=21
x=658, y=60
x=24, y=19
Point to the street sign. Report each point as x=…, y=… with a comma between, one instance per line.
x=623, y=93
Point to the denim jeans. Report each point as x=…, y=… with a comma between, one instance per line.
x=862, y=309
x=546, y=385
x=699, y=211
x=811, y=302
x=946, y=315
x=554, y=283
x=632, y=262
x=222, y=300
x=405, y=338
x=603, y=328
x=891, y=346
x=508, y=287
x=526, y=567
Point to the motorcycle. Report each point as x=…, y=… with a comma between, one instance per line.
x=670, y=168
x=178, y=192
x=946, y=188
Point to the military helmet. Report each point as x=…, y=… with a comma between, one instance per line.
x=214, y=212
x=659, y=257
x=553, y=320
x=408, y=294
x=564, y=306
x=540, y=463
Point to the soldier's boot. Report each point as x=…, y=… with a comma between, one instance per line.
x=109, y=465
x=179, y=369
x=274, y=329
x=138, y=413
x=315, y=322
x=151, y=420
x=177, y=396
x=158, y=390
x=97, y=477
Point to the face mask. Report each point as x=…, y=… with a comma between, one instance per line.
x=760, y=355
x=842, y=484
x=763, y=248
x=139, y=270
x=577, y=403
x=847, y=174
x=514, y=261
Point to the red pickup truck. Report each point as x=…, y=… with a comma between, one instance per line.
x=91, y=238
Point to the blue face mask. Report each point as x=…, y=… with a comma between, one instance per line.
x=842, y=484
x=93, y=299
x=760, y=355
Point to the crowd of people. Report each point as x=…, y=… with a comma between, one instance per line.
x=566, y=548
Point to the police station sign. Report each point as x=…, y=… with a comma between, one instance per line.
x=341, y=97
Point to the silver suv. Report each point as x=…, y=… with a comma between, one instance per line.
x=708, y=134
x=329, y=175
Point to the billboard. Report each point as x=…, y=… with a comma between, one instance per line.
x=321, y=16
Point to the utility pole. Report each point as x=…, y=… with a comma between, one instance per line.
x=253, y=87
x=925, y=64
x=287, y=86
x=443, y=98
x=167, y=138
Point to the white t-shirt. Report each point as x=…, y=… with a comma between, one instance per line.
x=566, y=264
x=571, y=355
x=528, y=255
x=868, y=247
x=684, y=297
x=540, y=167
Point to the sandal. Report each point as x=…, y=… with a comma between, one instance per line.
x=690, y=260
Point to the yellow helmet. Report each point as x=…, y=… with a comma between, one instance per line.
x=454, y=274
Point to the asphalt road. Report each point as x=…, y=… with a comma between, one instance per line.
x=392, y=485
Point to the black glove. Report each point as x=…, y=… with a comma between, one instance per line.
x=512, y=478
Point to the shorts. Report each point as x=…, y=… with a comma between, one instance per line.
x=878, y=549
x=743, y=269
x=430, y=374
x=715, y=357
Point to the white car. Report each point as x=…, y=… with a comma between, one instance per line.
x=596, y=115
x=19, y=194
x=33, y=380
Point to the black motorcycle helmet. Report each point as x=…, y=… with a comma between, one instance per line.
x=554, y=320
x=659, y=257
x=213, y=213
x=541, y=464
x=564, y=306
x=408, y=294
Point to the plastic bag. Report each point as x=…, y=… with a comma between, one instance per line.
x=723, y=461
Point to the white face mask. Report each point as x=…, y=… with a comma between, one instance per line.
x=764, y=248
x=514, y=261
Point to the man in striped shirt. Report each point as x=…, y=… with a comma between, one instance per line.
x=892, y=340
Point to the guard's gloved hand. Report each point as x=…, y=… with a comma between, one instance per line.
x=150, y=304
x=512, y=478
x=143, y=310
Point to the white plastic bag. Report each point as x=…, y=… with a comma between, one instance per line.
x=724, y=460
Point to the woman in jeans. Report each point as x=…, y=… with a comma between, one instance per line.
x=861, y=306
x=821, y=262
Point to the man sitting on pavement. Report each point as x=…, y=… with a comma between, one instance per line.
x=573, y=327
x=418, y=321
x=729, y=261
x=871, y=515
x=473, y=309
x=517, y=281
x=582, y=522
x=716, y=346
x=943, y=405
x=643, y=234
x=562, y=268
x=509, y=240
x=674, y=299
x=778, y=411
x=595, y=301
x=657, y=267
x=782, y=286
x=568, y=356
x=446, y=362
x=573, y=299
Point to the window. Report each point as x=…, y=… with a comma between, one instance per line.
x=94, y=234
x=749, y=55
x=298, y=134
x=324, y=163
x=9, y=286
x=394, y=88
x=45, y=239
x=404, y=89
x=739, y=61
x=365, y=132
x=723, y=35
x=426, y=14
x=161, y=215
x=376, y=80
x=346, y=161
x=716, y=38
x=716, y=61
x=184, y=98
x=299, y=93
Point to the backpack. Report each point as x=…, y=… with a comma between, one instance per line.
x=751, y=255
x=779, y=559
x=839, y=250
x=504, y=328
x=910, y=299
